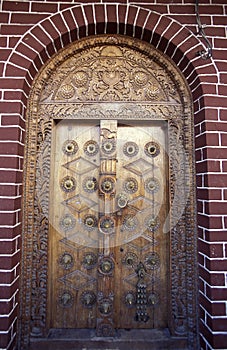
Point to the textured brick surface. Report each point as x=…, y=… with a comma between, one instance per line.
x=31, y=32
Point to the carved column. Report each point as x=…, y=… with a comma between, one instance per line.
x=107, y=226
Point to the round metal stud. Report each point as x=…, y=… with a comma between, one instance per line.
x=152, y=261
x=130, y=149
x=66, y=261
x=152, y=185
x=108, y=146
x=130, y=222
x=68, y=184
x=67, y=222
x=130, y=260
x=130, y=299
x=152, y=223
x=107, y=225
x=152, y=299
x=90, y=222
x=152, y=149
x=130, y=185
x=88, y=299
x=70, y=147
x=66, y=299
x=106, y=266
x=91, y=148
x=105, y=307
x=107, y=185
x=89, y=260
x=90, y=184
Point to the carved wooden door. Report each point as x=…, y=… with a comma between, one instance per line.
x=109, y=223
x=109, y=253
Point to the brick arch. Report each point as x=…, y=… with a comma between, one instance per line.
x=55, y=32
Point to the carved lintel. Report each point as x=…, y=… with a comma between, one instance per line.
x=119, y=110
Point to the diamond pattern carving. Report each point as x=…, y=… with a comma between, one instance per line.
x=142, y=203
x=133, y=278
x=130, y=236
x=149, y=237
x=140, y=247
x=140, y=167
x=80, y=166
x=71, y=244
x=77, y=279
x=79, y=203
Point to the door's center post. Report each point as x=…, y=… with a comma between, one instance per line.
x=107, y=227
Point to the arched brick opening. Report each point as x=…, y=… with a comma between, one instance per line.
x=179, y=44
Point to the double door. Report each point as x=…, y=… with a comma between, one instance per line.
x=109, y=257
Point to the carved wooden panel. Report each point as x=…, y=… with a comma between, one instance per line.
x=110, y=78
x=142, y=179
x=107, y=211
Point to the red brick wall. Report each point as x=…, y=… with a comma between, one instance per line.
x=31, y=32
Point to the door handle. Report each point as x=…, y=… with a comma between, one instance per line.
x=122, y=200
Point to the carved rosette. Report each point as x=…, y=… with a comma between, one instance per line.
x=74, y=85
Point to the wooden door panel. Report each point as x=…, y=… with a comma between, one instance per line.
x=74, y=206
x=87, y=158
x=141, y=170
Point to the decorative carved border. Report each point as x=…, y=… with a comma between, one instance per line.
x=40, y=121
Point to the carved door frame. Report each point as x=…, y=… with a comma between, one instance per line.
x=173, y=105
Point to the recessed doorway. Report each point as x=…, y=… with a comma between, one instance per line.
x=109, y=202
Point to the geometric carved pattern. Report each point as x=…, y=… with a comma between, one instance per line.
x=77, y=280
x=140, y=167
x=80, y=166
x=142, y=203
x=79, y=203
x=133, y=278
x=140, y=248
x=71, y=244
